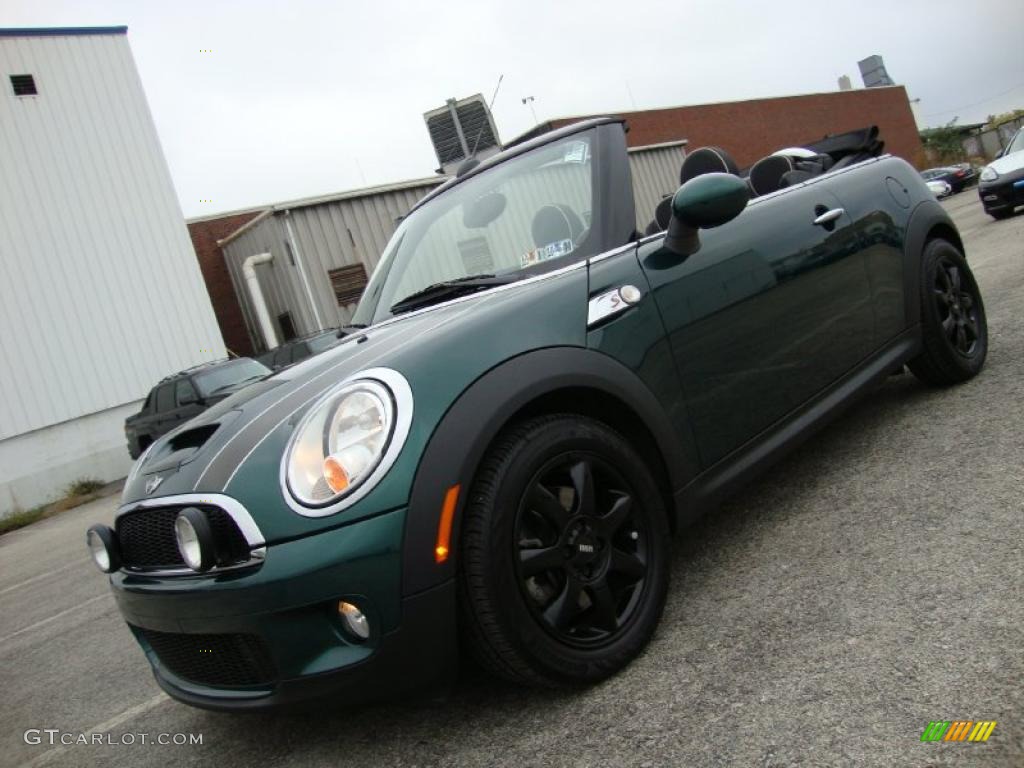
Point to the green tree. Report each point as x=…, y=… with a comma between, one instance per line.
x=944, y=143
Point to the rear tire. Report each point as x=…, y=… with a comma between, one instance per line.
x=565, y=557
x=953, y=324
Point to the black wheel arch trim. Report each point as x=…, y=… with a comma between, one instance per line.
x=925, y=219
x=460, y=440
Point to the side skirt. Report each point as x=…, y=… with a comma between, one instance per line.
x=716, y=483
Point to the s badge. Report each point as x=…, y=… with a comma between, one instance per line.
x=153, y=483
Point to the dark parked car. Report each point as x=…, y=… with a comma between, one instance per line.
x=495, y=464
x=177, y=398
x=299, y=349
x=959, y=177
x=1002, y=181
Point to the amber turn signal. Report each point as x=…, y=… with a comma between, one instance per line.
x=335, y=474
x=444, y=526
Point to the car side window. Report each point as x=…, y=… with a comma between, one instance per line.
x=185, y=393
x=165, y=397
x=299, y=352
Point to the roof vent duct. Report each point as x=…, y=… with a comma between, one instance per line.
x=460, y=130
x=872, y=71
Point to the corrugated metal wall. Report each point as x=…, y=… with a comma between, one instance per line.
x=353, y=229
x=100, y=294
x=655, y=174
x=356, y=228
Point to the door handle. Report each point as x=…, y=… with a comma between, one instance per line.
x=829, y=216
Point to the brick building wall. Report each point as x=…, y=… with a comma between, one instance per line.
x=749, y=130
x=205, y=233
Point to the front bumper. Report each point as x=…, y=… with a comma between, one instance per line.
x=287, y=605
x=1005, y=192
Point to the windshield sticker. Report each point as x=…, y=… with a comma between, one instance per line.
x=576, y=152
x=476, y=255
x=553, y=250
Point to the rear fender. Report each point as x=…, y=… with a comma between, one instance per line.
x=928, y=219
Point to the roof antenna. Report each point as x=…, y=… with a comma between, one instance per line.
x=489, y=108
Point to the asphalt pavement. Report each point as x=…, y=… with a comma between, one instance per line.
x=867, y=585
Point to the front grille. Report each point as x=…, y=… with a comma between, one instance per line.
x=228, y=661
x=146, y=538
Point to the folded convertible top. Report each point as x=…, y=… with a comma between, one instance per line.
x=863, y=143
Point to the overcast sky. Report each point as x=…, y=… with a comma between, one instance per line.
x=307, y=97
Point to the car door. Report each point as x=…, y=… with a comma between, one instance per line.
x=773, y=308
x=165, y=418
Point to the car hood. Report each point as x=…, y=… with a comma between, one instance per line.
x=235, y=447
x=1008, y=164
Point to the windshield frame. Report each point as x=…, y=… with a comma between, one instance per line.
x=613, y=215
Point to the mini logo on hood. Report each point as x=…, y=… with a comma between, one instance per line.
x=153, y=483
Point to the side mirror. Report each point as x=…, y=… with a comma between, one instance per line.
x=188, y=398
x=706, y=201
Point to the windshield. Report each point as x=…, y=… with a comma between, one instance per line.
x=525, y=215
x=227, y=375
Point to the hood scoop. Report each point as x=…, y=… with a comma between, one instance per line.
x=192, y=438
x=181, y=447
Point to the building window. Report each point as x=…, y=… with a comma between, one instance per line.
x=23, y=85
x=348, y=283
x=284, y=320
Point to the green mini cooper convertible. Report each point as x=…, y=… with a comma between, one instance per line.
x=493, y=460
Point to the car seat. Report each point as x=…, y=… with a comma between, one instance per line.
x=555, y=223
x=785, y=168
x=702, y=160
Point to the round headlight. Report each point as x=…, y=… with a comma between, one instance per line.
x=340, y=442
x=103, y=548
x=194, y=535
x=988, y=173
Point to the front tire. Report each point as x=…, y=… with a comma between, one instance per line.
x=953, y=324
x=565, y=557
x=1000, y=213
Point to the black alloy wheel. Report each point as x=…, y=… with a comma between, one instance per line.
x=582, y=551
x=957, y=308
x=564, y=556
x=954, y=330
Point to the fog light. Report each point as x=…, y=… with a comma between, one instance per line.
x=195, y=539
x=103, y=547
x=355, y=620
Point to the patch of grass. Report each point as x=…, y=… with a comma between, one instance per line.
x=79, y=492
x=21, y=519
x=84, y=486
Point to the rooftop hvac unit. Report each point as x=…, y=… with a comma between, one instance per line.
x=872, y=71
x=460, y=130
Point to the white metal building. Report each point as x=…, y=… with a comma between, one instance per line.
x=100, y=294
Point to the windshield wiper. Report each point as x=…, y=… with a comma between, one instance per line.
x=449, y=289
